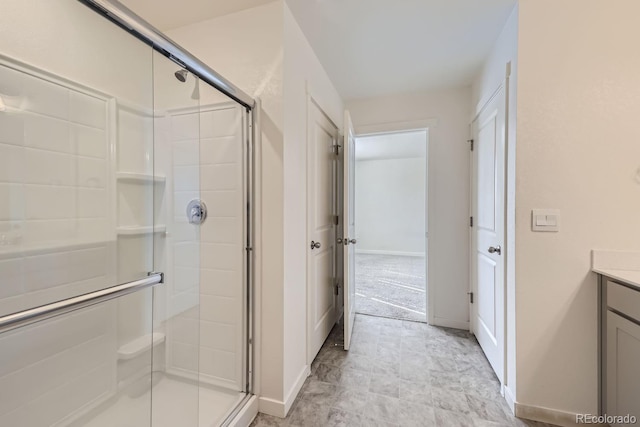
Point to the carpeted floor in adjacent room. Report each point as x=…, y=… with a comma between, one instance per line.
x=391, y=286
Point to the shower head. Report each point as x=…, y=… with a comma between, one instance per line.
x=181, y=75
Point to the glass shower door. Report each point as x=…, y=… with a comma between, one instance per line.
x=200, y=142
x=76, y=206
x=179, y=214
x=116, y=164
x=225, y=254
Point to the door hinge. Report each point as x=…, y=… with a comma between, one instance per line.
x=470, y=141
x=336, y=149
x=336, y=219
x=470, y=221
x=337, y=287
x=470, y=297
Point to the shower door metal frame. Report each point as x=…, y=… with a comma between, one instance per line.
x=134, y=24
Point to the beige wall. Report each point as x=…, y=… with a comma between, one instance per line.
x=578, y=151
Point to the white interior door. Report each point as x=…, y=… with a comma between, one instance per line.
x=349, y=240
x=488, y=309
x=321, y=243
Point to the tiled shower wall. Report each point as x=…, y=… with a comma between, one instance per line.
x=208, y=260
x=55, y=221
x=56, y=369
x=56, y=241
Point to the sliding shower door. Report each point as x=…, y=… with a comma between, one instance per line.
x=76, y=206
x=200, y=147
x=179, y=214
x=225, y=253
x=124, y=223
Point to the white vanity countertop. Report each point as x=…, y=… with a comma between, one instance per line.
x=628, y=276
x=618, y=265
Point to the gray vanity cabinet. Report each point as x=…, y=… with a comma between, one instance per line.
x=620, y=347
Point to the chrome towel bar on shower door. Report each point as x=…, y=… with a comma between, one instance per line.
x=37, y=314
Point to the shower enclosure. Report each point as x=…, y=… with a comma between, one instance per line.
x=125, y=224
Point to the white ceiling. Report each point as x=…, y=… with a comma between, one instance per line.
x=378, y=47
x=168, y=14
x=372, y=47
x=392, y=146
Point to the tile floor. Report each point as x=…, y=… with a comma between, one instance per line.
x=399, y=373
x=391, y=286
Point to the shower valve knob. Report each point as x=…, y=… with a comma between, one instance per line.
x=196, y=212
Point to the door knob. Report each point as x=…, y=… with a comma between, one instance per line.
x=495, y=249
x=315, y=245
x=353, y=241
x=339, y=240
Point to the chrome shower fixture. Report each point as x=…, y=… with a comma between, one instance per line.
x=181, y=75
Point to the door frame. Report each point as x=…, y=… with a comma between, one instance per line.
x=507, y=247
x=312, y=100
x=427, y=125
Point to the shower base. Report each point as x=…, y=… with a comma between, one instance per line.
x=174, y=404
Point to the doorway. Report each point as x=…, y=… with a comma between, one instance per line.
x=391, y=225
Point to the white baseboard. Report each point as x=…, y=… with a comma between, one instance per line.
x=395, y=253
x=247, y=414
x=297, y=386
x=449, y=323
x=548, y=415
x=271, y=407
x=511, y=400
x=279, y=408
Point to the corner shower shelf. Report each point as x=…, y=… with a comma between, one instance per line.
x=140, y=345
x=140, y=178
x=137, y=230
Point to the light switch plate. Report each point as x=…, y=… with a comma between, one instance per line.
x=545, y=220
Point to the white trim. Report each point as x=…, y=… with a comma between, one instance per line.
x=317, y=101
x=510, y=398
x=247, y=414
x=395, y=127
x=272, y=407
x=297, y=386
x=430, y=226
x=448, y=323
x=548, y=415
x=278, y=408
x=393, y=253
